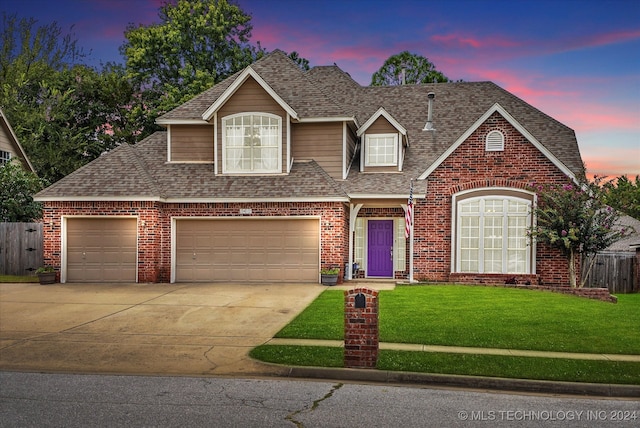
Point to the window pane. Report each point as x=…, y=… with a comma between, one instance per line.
x=469, y=243
x=470, y=207
x=493, y=206
x=252, y=143
x=381, y=150
x=492, y=244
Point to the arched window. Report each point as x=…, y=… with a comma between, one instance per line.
x=252, y=143
x=494, y=141
x=491, y=234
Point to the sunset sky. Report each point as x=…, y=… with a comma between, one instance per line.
x=576, y=60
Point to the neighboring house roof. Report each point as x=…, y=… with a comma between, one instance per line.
x=322, y=93
x=627, y=243
x=139, y=172
x=17, y=151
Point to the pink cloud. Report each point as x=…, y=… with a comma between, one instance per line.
x=450, y=41
x=613, y=162
x=609, y=38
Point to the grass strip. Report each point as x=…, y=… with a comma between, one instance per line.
x=552, y=369
x=17, y=279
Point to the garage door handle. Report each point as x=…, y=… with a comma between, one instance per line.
x=194, y=256
x=84, y=255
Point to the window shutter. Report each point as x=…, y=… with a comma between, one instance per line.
x=494, y=142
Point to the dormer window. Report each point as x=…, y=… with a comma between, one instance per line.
x=381, y=150
x=494, y=141
x=252, y=143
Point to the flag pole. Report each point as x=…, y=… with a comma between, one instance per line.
x=410, y=222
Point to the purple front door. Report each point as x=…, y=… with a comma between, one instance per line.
x=380, y=248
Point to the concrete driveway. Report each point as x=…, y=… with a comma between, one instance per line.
x=189, y=329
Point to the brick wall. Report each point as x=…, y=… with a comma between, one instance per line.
x=471, y=167
x=361, y=328
x=154, y=228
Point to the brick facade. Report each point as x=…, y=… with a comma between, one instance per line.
x=470, y=167
x=154, y=228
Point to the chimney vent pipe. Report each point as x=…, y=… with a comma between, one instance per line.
x=429, y=125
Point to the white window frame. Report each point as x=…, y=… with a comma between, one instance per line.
x=390, y=149
x=494, y=142
x=5, y=157
x=501, y=220
x=227, y=122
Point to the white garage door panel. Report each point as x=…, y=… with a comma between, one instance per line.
x=101, y=250
x=247, y=250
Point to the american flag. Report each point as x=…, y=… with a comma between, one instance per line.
x=408, y=217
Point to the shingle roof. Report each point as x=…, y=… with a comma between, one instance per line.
x=632, y=226
x=283, y=76
x=142, y=171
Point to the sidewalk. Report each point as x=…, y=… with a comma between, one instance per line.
x=464, y=350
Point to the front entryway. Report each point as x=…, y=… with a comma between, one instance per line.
x=380, y=248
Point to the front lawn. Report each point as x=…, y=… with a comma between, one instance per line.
x=487, y=317
x=474, y=316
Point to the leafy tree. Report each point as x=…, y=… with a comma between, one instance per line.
x=64, y=113
x=30, y=54
x=415, y=69
x=303, y=63
x=624, y=195
x=574, y=219
x=77, y=120
x=17, y=187
x=197, y=43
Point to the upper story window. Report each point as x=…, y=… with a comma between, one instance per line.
x=5, y=157
x=381, y=150
x=494, y=141
x=252, y=143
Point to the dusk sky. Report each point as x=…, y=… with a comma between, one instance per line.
x=576, y=60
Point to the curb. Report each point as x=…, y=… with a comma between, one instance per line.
x=458, y=381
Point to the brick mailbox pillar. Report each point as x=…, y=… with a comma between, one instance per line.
x=361, y=328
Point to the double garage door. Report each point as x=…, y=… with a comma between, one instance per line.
x=263, y=250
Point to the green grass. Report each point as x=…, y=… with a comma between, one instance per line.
x=491, y=317
x=15, y=278
x=552, y=369
x=319, y=356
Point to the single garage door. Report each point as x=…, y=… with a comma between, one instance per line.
x=265, y=250
x=101, y=249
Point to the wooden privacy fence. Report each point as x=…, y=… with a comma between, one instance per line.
x=613, y=270
x=20, y=248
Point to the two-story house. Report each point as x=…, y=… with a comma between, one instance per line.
x=276, y=172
